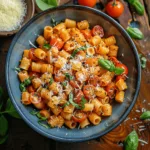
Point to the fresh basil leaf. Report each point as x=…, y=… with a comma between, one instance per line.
x=3, y=139
x=118, y=71
x=51, y=81
x=10, y=109
x=46, y=46
x=78, y=49
x=47, y=126
x=52, y=2
x=83, y=101
x=72, y=102
x=143, y=62
x=145, y=115
x=131, y=141
x=27, y=82
x=33, y=112
x=3, y=125
x=66, y=104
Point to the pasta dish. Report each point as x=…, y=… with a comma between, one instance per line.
x=73, y=75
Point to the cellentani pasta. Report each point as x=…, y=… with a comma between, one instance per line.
x=73, y=76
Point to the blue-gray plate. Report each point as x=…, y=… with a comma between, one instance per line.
x=127, y=54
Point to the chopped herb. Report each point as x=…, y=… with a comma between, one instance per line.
x=51, y=81
x=17, y=69
x=53, y=22
x=83, y=101
x=22, y=87
x=118, y=71
x=64, y=83
x=68, y=76
x=46, y=46
x=33, y=112
x=41, y=117
x=143, y=61
x=66, y=104
x=47, y=126
x=79, y=49
x=27, y=82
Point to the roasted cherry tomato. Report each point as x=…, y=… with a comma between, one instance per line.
x=90, y=3
x=110, y=89
x=123, y=67
x=114, y=60
x=87, y=33
x=59, y=77
x=57, y=42
x=98, y=30
x=94, y=80
x=34, y=98
x=114, y=8
x=79, y=116
x=30, y=89
x=34, y=74
x=120, y=77
x=78, y=96
x=32, y=56
x=73, y=84
x=88, y=91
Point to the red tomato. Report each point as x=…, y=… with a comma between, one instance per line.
x=94, y=80
x=114, y=60
x=57, y=42
x=79, y=116
x=30, y=89
x=87, y=33
x=32, y=56
x=34, y=74
x=114, y=9
x=123, y=67
x=34, y=98
x=78, y=96
x=90, y=3
x=110, y=89
x=59, y=78
x=98, y=30
x=73, y=84
x=120, y=77
x=88, y=91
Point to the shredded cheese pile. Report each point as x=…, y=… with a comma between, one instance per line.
x=12, y=13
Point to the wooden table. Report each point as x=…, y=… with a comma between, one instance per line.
x=21, y=137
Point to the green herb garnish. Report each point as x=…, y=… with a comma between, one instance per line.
x=51, y=81
x=83, y=101
x=145, y=115
x=64, y=83
x=68, y=76
x=78, y=49
x=33, y=112
x=44, y=125
x=41, y=117
x=131, y=141
x=46, y=46
x=17, y=69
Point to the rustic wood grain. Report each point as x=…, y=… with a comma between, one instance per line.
x=24, y=138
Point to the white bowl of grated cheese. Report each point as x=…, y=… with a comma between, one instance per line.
x=14, y=14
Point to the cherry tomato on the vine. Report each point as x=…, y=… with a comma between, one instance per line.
x=90, y=3
x=114, y=8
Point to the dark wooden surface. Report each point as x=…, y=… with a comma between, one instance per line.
x=21, y=137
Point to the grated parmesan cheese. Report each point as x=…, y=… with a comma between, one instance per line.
x=12, y=13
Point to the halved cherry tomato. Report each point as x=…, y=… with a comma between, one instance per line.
x=73, y=84
x=32, y=56
x=78, y=96
x=90, y=3
x=57, y=42
x=110, y=89
x=114, y=60
x=34, y=74
x=59, y=77
x=98, y=30
x=88, y=91
x=30, y=89
x=35, y=98
x=94, y=80
x=79, y=116
x=123, y=67
x=114, y=8
x=87, y=33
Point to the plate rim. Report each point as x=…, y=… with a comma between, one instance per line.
x=125, y=35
